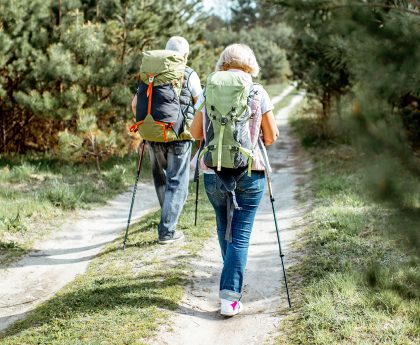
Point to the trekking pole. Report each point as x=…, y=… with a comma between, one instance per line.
x=197, y=181
x=196, y=200
x=270, y=190
x=141, y=153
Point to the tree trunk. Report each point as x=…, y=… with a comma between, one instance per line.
x=98, y=167
x=326, y=105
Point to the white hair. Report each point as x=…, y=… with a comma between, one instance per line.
x=238, y=56
x=178, y=44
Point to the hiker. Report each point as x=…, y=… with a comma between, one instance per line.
x=170, y=157
x=234, y=189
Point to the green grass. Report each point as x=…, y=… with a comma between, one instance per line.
x=356, y=281
x=123, y=297
x=275, y=89
x=38, y=192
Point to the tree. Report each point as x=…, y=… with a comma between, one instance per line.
x=62, y=60
x=368, y=52
x=268, y=42
x=244, y=14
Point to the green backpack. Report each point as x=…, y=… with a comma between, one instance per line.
x=159, y=116
x=228, y=140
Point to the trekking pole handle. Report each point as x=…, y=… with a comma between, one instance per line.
x=270, y=187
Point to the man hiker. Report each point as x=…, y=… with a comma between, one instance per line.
x=170, y=159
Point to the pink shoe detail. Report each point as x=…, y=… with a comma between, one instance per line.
x=234, y=304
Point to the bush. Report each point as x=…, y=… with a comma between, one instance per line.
x=62, y=195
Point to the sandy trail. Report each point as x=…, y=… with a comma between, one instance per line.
x=55, y=262
x=197, y=320
x=284, y=93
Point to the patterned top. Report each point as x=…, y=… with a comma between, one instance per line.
x=260, y=104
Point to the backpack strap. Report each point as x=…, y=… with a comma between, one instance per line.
x=134, y=128
x=250, y=155
x=149, y=93
x=252, y=93
x=200, y=108
x=223, y=122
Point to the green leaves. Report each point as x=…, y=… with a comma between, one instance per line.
x=59, y=59
x=43, y=103
x=364, y=56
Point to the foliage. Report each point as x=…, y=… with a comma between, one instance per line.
x=374, y=83
x=244, y=14
x=63, y=61
x=330, y=59
x=268, y=45
x=37, y=192
x=357, y=284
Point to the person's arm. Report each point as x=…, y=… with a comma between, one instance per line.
x=196, y=128
x=269, y=128
x=134, y=104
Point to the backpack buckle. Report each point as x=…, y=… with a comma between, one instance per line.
x=151, y=78
x=234, y=148
x=223, y=120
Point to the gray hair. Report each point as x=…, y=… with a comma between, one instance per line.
x=238, y=56
x=178, y=44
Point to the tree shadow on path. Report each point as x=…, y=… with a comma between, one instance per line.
x=101, y=295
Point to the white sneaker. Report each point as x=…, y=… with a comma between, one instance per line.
x=230, y=308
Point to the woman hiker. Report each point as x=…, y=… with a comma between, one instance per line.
x=234, y=230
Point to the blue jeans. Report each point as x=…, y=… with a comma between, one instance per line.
x=249, y=191
x=170, y=168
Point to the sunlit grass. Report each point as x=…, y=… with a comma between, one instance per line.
x=275, y=89
x=124, y=296
x=38, y=192
x=359, y=282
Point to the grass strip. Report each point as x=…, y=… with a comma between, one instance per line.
x=38, y=192
x=285, y=101
x=354, y=283
x=275, y=89
x=123, y=297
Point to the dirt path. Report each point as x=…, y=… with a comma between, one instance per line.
x=285, y=92
x=197, y=321
x=57, y=261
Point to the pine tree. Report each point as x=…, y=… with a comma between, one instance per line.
x=267, y=39
x=61, y=60
x=244, y=14
x=368, y=53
